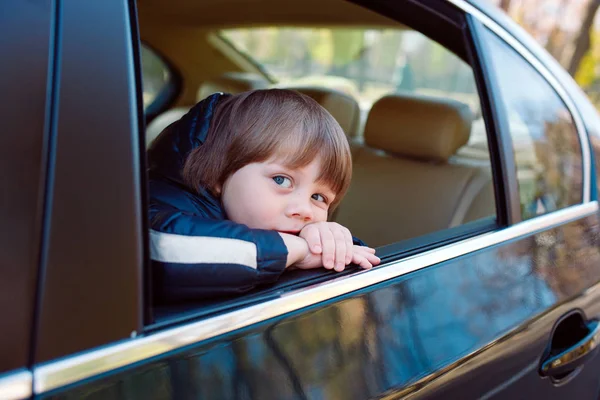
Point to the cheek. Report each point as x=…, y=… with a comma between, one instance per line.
x=320, y=214
x=266, y=204
x=253, y=205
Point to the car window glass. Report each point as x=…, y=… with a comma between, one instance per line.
x=157, y=78
x=544, y=136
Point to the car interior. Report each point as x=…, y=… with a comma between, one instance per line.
x=420, y=158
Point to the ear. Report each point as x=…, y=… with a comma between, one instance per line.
x=217, y=189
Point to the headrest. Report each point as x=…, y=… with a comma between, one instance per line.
x=158, y=124
x=168, y=152
x=231, y=82
x=418, y=126
x=342, y=107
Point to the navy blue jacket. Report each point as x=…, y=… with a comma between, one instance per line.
x=196, y=252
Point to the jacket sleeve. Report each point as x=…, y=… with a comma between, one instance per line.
x=196, y=257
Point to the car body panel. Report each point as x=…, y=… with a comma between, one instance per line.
x=92, y=248
x=26, y=48
x=418, y=334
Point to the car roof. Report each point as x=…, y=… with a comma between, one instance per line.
x=224, y=13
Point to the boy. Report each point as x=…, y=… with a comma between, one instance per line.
x=240, y=190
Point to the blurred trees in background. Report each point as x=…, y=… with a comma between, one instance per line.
x=365, y=63
x=378, y=61
x=368, y=63
x=569, y=30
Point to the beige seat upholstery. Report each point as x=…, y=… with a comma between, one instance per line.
x=158, y=124
x=231, y=82
x=342, y=107
x=403, y=183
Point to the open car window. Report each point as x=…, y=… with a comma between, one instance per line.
x=412, y=113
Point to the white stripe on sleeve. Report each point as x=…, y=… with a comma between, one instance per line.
x=170, y=247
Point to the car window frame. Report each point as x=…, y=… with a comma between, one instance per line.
x=500, y=146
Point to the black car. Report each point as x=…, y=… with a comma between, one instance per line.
x=475, y=176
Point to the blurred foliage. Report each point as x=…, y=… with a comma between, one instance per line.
x=567, y=29
x=587, y=73
x=346, y=43
x=365, y=63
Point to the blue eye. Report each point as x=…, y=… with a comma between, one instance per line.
x=319, y=197
x=282, y=181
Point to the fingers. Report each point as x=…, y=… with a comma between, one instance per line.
x=313, y=239
x=361, y=261
x=337, y=246
x=349, y=245
x=370, y=256
x=334, y=243
x=365, y=257
x=340, y=250
x=328, y=243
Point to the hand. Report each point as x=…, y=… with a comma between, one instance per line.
x=298, y=254
x=335, y=245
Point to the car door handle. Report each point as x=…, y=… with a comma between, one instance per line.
x=569, y=359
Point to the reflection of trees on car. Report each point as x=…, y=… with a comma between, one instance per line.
x=557, y=176
x=392, y=334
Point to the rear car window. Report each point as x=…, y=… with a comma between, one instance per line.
x=544, y=136
x=158, y=81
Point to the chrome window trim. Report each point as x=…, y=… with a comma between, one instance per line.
x=55, y=374
x=552, y=81
x=16, y=385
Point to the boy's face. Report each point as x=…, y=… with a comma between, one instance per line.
x=267, y=195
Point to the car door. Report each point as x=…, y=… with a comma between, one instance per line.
x=26, y=49
x=472, y=312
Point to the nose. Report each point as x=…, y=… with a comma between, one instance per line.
x=300, y=208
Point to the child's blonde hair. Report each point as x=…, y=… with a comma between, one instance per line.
x=259, y=125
